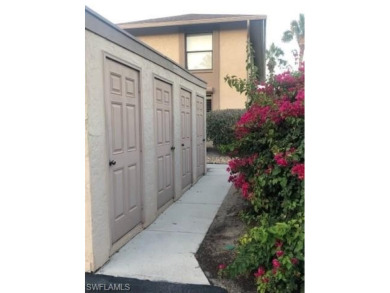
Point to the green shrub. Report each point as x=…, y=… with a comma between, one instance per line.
x=220, y=126
x=274, y=255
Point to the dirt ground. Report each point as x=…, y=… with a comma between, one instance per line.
x=213, y=156
x=224, y=232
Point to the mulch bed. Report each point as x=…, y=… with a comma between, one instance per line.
x=216, y=247
x=214, y=157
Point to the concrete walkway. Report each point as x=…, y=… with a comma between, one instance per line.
x=165, y=250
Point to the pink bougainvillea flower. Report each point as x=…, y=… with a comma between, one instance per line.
x=222, y=266
x=285, y=78
x=300, y=95
x=234, y=165
x=278, y=156
x=275, y=263
x=260, y=272
x=279, y=253
x=291, y=109
x=282, y=162
x=238, y=180
x=294, y=261
x=244, y=188
x=280, y=159
x=299, y=170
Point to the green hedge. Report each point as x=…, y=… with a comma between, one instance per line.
x=220, y=126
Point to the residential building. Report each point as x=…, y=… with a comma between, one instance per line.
x=210, y=46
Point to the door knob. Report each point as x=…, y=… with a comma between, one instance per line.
x=204, y=139
x=172, y=148
x=112, y=162
x=182, y=144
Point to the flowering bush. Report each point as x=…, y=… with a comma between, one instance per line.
x=268, y=167
x=268, y=163
x=273, y=255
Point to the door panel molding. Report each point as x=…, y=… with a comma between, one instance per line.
x=163, y=119
x=124, y=128
x=186, y=138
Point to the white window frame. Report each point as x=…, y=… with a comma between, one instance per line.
x=199, y=51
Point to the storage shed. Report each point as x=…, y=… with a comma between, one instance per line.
x=144, y=136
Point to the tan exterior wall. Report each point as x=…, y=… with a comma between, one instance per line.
x=233, y=57
x=98, y=246
x=229, y=58
x=167, y=44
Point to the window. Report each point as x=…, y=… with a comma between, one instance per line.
x=208, y=105
x=199, y=51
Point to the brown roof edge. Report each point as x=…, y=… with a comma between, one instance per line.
x=108, y=30
x=156, y=23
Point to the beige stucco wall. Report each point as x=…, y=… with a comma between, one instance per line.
x=166, y=44
x=232, y=56
x=98, y=237
x=88, y=215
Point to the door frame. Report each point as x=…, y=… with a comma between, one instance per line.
x=171, y=83
x=130, y=234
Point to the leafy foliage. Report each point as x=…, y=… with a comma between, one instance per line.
x=273, y=58
x=268, y=167
x=220, y=126
x=297, y=31
x=275, y=256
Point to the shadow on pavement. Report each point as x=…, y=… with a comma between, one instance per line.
x=103, y=283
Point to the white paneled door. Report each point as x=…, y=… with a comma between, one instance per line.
x=164, y=140
x=123, y=122
x=186, y=135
